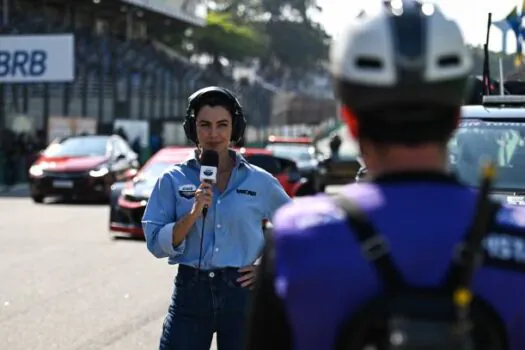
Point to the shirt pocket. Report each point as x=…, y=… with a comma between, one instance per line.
x=185, y=199
x=250, y=203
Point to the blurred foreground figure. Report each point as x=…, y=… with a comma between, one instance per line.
x=391, y=263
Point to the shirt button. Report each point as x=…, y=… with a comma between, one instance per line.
x=216, y=249
x=218, y=202
x=212, y=274
x=219, y=226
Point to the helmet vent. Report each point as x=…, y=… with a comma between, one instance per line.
x=449, y=61
x=369, y=63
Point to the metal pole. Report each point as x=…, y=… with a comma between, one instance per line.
x=501, y=84
x=5, y=7
x=129, y=24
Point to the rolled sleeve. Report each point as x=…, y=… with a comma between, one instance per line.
x=165, y=238
x=159, y=217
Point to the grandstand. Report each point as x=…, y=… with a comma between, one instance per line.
x=122, y=68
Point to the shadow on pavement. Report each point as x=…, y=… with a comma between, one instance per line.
x=69, y=201
x=22, y=191
x=128, y=239
x=17, y=191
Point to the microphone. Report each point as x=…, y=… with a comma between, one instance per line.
x=209, y=168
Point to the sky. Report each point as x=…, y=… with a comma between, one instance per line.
x=472, y=18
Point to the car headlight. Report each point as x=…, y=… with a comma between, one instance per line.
x=36, y=171
x=99, y=171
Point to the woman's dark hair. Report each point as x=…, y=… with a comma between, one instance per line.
x=214, y=100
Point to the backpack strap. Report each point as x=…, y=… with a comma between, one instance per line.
x=373, y=245
x=468, y=253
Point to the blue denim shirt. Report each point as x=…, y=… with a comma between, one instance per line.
x=233, y=235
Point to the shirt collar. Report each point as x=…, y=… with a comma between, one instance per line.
x=193, y=160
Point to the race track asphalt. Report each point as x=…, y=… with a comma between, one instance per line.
x=65, y=285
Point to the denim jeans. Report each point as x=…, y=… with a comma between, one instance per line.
x=203, y=303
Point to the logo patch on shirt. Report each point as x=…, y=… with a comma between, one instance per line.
x=187, y=191
x=247, y=192
x=516, y=200
x=505, y=251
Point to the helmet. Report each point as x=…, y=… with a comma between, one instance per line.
x=402, y=53
x=194, y=103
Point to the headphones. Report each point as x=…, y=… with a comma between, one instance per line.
x=238, y=120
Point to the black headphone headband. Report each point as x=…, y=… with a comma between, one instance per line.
x=238, y=120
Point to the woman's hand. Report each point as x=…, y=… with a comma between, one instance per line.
x=203, y=197
x=248, y=276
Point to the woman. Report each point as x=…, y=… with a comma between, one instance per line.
x=212, y=298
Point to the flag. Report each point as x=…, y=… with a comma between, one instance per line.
x=518, y=61
x=514, y=19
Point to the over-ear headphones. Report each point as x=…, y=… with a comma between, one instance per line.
x=238, y=120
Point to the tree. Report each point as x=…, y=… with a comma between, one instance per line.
x=227, y=37
x=295, y=44
x=302, y=48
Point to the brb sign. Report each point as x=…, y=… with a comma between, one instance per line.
x=37, y=58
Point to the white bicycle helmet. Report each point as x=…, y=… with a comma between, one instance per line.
x=402, y=53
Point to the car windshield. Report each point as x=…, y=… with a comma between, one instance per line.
x=154, y=170
x=292, y=151
x=268, y=163
x=478, y=141
x=78, y=147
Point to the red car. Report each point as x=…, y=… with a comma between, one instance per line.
x=299, y=140
x=82, y=167
x=128, y=200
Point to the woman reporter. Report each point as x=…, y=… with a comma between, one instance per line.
x=215, y=275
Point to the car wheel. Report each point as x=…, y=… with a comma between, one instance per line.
x=37, y=199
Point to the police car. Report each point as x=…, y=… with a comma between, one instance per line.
x=493, y=131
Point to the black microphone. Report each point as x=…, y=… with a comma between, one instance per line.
x=209, y=169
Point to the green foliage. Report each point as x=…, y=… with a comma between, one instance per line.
x=507, y=62
x=274, y=31
x=225, y=37
x=303, y=46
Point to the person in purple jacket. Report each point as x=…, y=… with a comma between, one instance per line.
x=400, y=74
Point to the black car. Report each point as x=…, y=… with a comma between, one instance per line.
x=311, y=164
x=494, y=131
x=82, y=167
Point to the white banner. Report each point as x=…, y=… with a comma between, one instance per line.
x=37, y=58
x=68, y=126
x=133, y=129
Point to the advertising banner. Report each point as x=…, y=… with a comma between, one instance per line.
x=190, y=11
x=173, y=134
x=37, y=58
x=59, y=127
x=85, y=126
x=133, y=129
